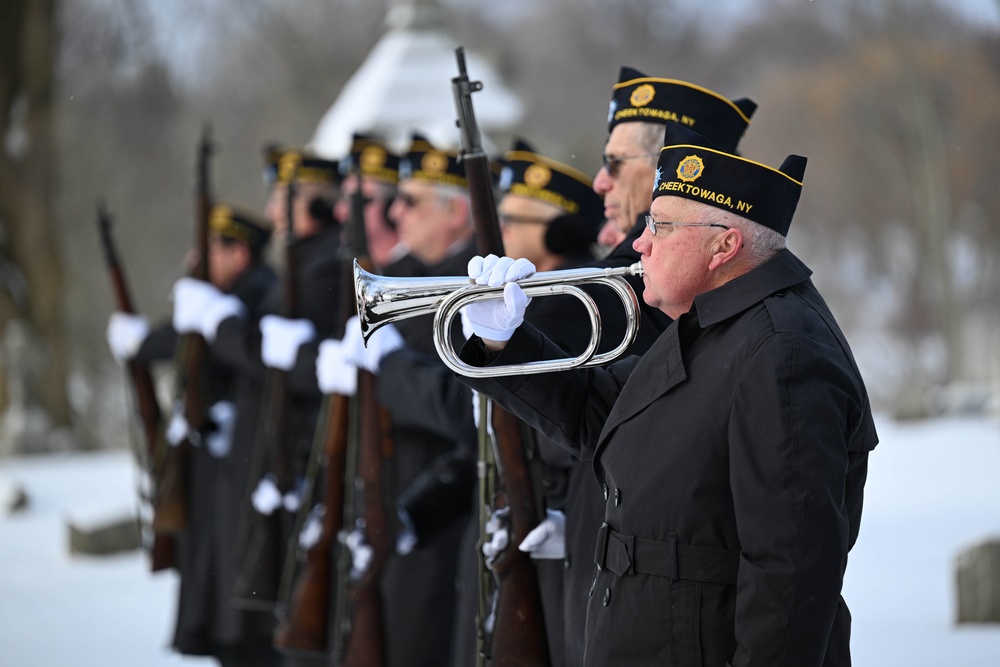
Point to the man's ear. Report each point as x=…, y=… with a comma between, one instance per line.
x=725, y=248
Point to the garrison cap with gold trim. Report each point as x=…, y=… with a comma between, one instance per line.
x=425, y=162
x=529, y=174
x=282, y=163
x=235, y=222
x=375, y=160
x=751, y=190
x=637, y=97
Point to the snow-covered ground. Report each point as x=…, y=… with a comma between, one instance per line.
x=933, y=490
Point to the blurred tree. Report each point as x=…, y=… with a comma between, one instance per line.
x=900, y=122
x=31, y=277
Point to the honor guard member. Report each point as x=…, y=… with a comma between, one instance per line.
x=733, y=454
x=640, y=109
x=431, y=412
x=550, y=215
x=207, y=623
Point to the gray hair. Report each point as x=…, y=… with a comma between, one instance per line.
x=649, y=137
x=760, y=243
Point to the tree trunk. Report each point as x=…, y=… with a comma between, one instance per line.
x=30, y=270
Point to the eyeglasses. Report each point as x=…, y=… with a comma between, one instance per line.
x=651, y=224
x=408, y=200
x=507, y=219
x=612, y=163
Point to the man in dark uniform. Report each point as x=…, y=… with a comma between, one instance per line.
x=640, y=108
x=207, y=623
x=430, y=410
x=550, y=215
x=733, y=454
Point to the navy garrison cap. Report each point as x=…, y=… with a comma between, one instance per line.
x=692, y=167
x=637, y=97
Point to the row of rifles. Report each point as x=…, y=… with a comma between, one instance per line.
x=350, y=450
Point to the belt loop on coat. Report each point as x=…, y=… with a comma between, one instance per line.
x=602, y=546
x=672, y=560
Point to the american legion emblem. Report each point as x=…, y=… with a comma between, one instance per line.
x=690, y=168
x=642, y=95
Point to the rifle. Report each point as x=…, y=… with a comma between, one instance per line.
x=171, y=511
x=518, y=635
x=161, y=550
x=354, y=440
x=259, y=576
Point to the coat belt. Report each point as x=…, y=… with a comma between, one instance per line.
x=628, y=554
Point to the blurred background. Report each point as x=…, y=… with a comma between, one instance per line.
x=895, y=103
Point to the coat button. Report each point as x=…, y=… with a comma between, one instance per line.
x=618, y=497
x=566, y=562
x=604, y=488
x=607, y=597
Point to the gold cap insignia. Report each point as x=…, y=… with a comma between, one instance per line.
x=287, y=166
x=434, y=162
x=220, y=218
x=372, y=158
x=537, y=176
x=642, y=95
x=690, y=168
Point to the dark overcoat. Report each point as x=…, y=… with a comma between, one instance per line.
x=732, y=458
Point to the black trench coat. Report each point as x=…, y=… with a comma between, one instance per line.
x=732, y=458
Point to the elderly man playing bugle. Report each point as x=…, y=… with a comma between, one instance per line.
x=732, y=455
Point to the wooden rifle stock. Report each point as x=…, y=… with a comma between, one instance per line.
x=366, y=643
x=171, y=513
x=519, y=636
x=161, y=552
x=305, y=627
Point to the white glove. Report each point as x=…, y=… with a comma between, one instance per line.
x=218, y=311
x=547, y=540
x=335, y=373
x=282, y=338
x=266, y=497
x=192, y=299
x=496, y=528
x=496, y=319
x=361, y=553
x=177, y=427
x=219, y=441
x=125, y=334
x=406, y=540
x=382, y=343
x=312, y=529
x=495, y=271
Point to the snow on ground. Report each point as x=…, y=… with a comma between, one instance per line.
x=933, y=490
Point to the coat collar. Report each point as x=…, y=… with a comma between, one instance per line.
x=780, y=272
x=662, y=367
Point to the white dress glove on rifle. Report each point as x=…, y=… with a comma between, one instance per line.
x=335, y=373
x=496, y=530
x=200, y=307
x=496, y=319
x=361, y=553
x=125, y=334
x=338, y=360
x=548, y=539
x=281, y=340
x=220, y=440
